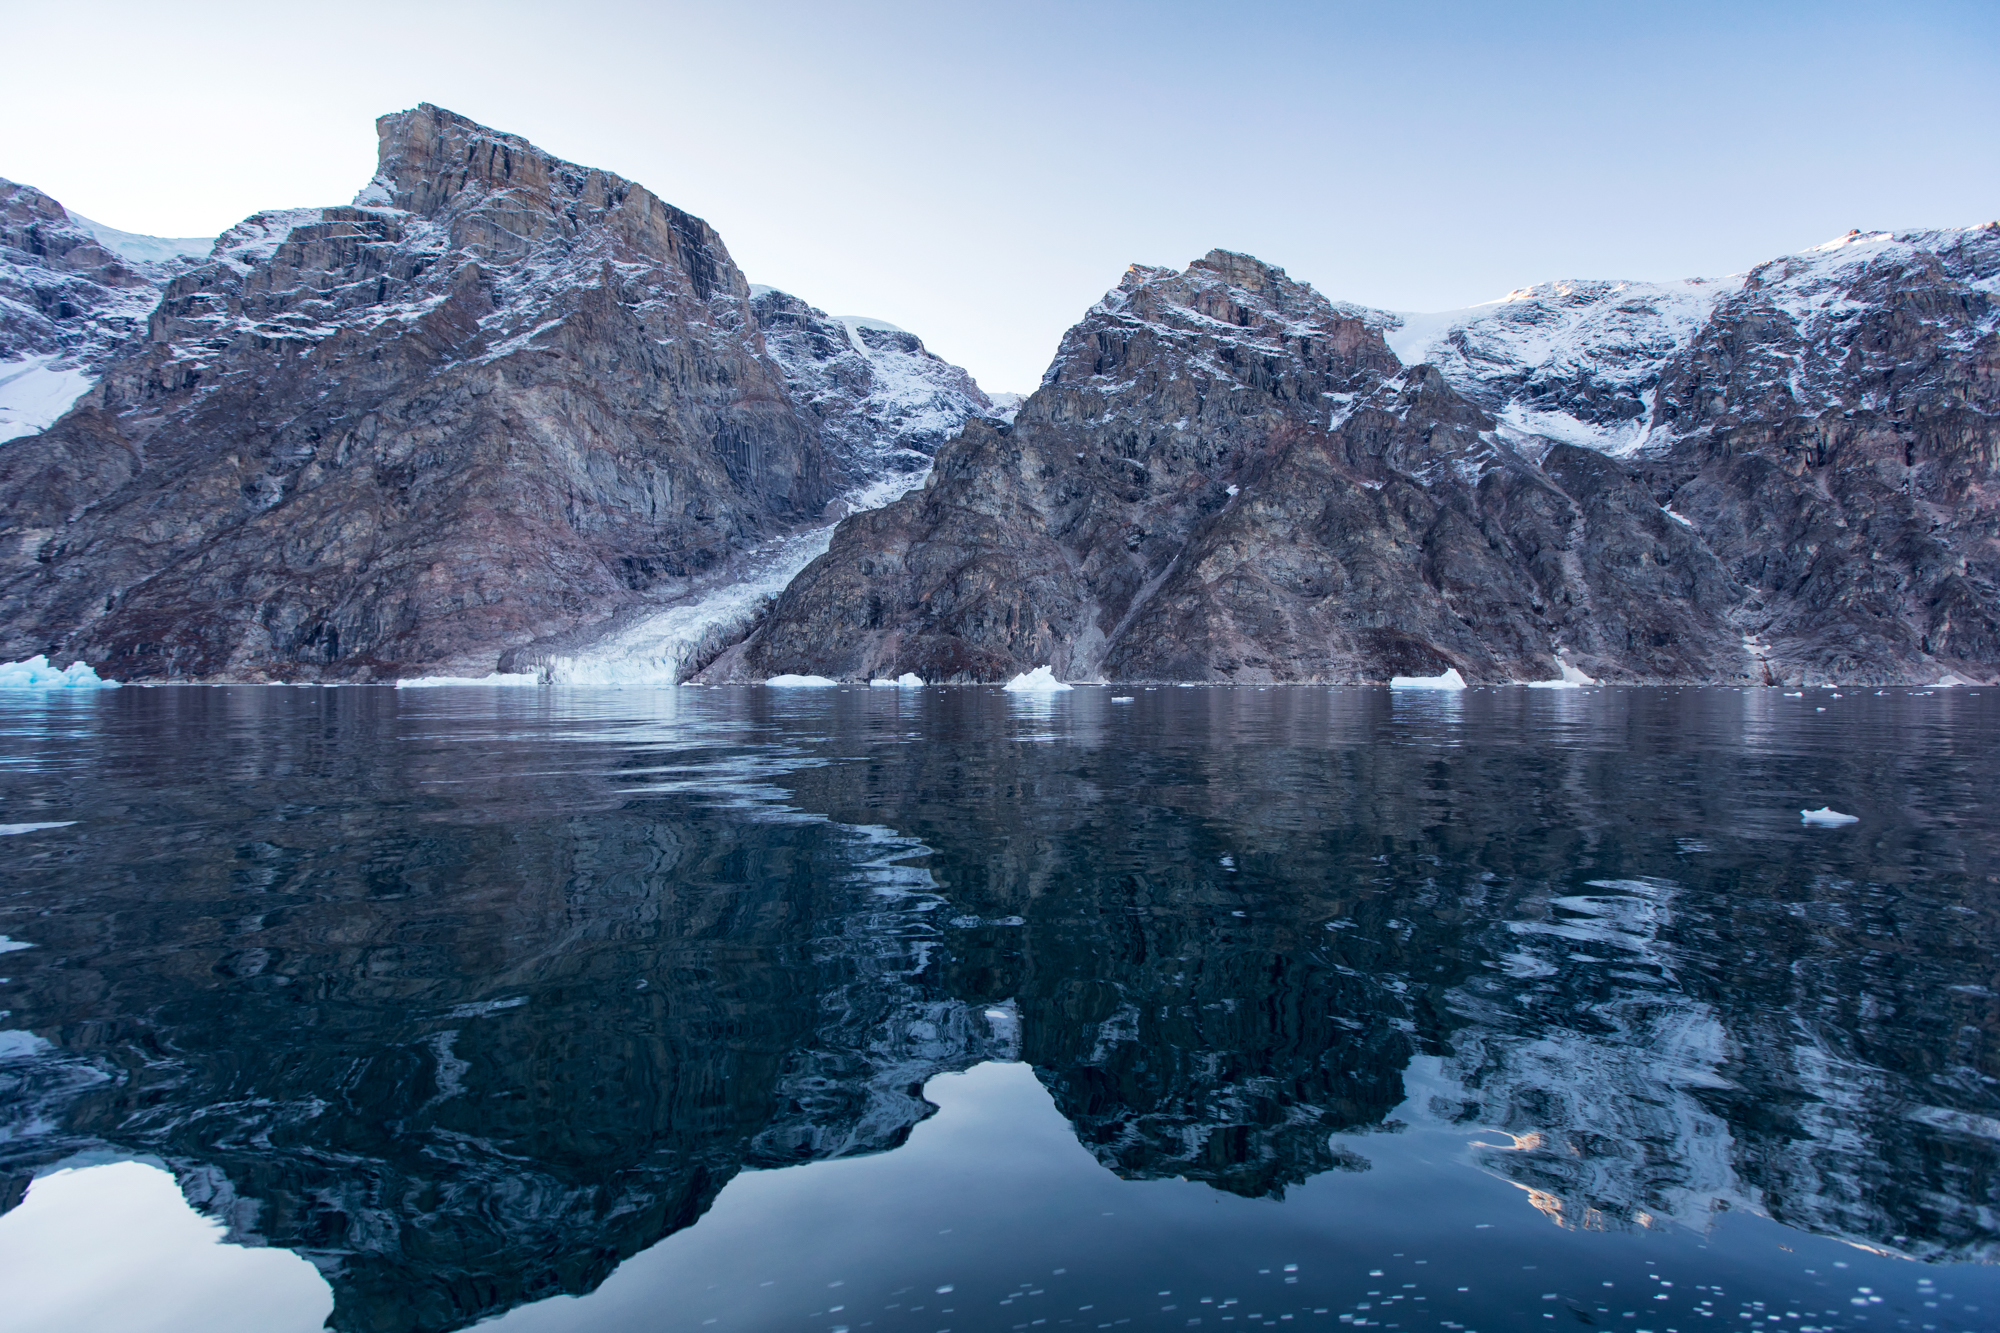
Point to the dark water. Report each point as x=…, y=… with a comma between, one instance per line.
x=632, y=1010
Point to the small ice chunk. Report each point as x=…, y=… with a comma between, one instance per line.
x=1233, y=490
x=910, y=680
x=1121, y=699
x=1827, y=817
x=1042, y=680
x=35, y=673
x=9, y=830
x=1450, y=680
x=800, y=682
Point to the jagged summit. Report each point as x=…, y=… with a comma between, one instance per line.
x=500, y=404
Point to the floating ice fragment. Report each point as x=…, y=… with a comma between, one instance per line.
x=510, y=679
x=880, y=684
x=1827, y=817
x=800, y=682
x=35, y=673
x=1121, y=698
x=8, y=830
x=1450, y=680
x=1042, y=680
x=910, y=680
x=8, y=946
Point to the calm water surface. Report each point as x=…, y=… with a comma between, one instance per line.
x=928, y=1010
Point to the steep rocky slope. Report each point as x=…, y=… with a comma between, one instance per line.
x=497, y=401
x=1787, y=476
x=71, y=291
x=1226, y=476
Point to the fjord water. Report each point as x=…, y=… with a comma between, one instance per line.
x=947, y=1009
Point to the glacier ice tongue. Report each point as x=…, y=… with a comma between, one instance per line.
x=1450, y=680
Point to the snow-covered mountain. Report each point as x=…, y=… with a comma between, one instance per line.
x=71, y=292
x=499, y=408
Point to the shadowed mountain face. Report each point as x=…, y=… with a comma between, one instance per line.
x=469, y=1001
x=498, y=400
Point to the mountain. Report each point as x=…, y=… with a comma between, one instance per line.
x=1225, y=476
x=499, y=400
x=71, y=291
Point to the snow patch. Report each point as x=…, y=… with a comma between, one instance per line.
x=145, y=249
x=1042, y=680
x=34, y=392
x=35, y=673
x=16, y=1044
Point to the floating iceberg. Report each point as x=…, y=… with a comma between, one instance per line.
x=1827, y=817
x=909, y=680
x=800, y=682
x=1042, y=680
x=9, y=830
x=1450, y=680
x=510, y=679
x=35, y=673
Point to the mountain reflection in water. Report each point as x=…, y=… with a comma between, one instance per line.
x=469, y=996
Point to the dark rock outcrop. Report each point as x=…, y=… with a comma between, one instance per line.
x=499, y=399
x=1227, y=477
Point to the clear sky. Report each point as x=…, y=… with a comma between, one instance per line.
x=981, y=173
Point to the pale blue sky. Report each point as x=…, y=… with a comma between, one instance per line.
x=981, y=173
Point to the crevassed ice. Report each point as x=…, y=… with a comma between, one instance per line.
x=660, y=649
x=35, y=673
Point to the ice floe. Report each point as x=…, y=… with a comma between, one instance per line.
x=1450, y=680
x=800, y=682
x=509, y=679
x=1827, y=817
x=35, y=673
x=1042, y=680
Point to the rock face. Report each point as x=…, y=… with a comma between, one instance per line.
x=1227, y=477
x=68, y=299
x=884, y=400
x=1787, y=477
x=497, y=400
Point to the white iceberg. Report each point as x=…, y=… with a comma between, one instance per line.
x=880, y=684
x=1450, y=680
x=35, y=673
x=9, y=830
x=910, y=680
x=1827, y=817
x=1042, y=680
x=510, y=679
x=800, y=682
